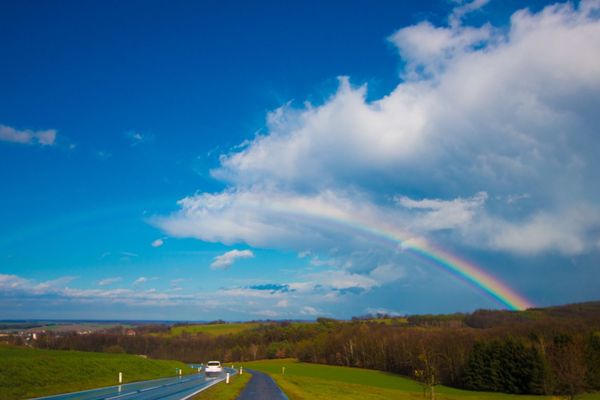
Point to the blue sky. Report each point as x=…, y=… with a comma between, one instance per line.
x=180, y=161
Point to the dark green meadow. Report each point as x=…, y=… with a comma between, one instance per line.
x=26, y=372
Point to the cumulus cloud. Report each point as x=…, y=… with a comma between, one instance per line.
x=227, y=259
x=28, y=136
x=474, y=123
x=483, y=117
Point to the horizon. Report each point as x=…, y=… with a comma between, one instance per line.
x=231, y=161
x=267, y=320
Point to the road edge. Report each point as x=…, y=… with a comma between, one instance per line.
x=208, y=386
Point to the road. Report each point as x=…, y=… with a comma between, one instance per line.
x=159, y=389
x=260, y=387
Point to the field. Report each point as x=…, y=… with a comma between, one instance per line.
x=222, y=391
x=13, y=327
x=212, y=329
x=319, y=382
x=26, y=372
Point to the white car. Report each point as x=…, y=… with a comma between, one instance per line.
x=213, y=368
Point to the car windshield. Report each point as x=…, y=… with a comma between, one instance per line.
x=214, y=363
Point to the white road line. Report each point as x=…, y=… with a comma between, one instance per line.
x=150, y=388
x=121, y=395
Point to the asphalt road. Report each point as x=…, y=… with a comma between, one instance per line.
x=160, y=389
x=261, y=387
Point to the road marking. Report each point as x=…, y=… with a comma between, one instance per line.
x=150, y=388
x=121, y=395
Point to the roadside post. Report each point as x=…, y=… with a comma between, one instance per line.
x=179, y=371
x=241, y=370
x=282, y=370
x=120, y=377
x=227, y=379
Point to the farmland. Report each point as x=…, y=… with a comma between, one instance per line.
x=212, y=329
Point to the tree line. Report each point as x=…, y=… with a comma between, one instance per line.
x=540, y=351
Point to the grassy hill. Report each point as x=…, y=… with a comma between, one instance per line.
x=26, y=372
x=319, y=382
x=213, y=329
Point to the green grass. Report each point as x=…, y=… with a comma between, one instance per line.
x=212, y=329
x=315, y=381
x=222, y=391
x=26, y=372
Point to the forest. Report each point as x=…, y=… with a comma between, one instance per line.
x=553, y=350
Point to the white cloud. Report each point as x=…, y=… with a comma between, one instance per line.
x=481, y=114
x=464, y=8
x=54, y=284
x=140, y=280
x=436, y=214
x=227, y=259
x=27, y=136
x=341, y=279
x=264, y=218
x=571, y=233
x=428, y=49
x=282, y=303
x=109, y=281
x=137, y=138
x=308, y=310
x=57, y=288
x=320, y=262
x=387, y=273
x=229, y=300
x=514, y=198
x=158, y=242
x=11, y=281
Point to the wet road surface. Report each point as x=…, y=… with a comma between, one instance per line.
x=177, y=388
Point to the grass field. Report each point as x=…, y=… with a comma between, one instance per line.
x=26, y=372
x=223, y=391
x=319, y=382
x=213, y=329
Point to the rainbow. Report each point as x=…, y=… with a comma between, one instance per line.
x=420, y=248
x=461, y=269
